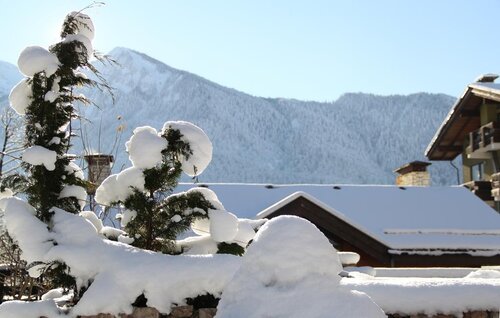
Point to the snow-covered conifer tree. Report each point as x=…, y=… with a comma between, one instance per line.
x=153, y=216
x=46, y=97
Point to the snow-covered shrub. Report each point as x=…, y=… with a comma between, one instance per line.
x=70, y=246
x=119, y=273
x=153, y=215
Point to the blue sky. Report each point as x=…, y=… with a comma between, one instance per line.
x=312, y=50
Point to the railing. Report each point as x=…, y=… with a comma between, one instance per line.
x=485, y=136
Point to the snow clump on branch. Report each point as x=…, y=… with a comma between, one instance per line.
x=35, y=59
x=20, y=97
x=117, y=187
x=199, y=143
x=145, y=147
x=38, y=155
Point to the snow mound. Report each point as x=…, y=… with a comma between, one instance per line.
x=6, y=193
x=92, y=218
x=288, y=249
x=246, y=232
x=117, y=187
x=28, y=231
x=220, y=226
x=200, y=144
x=83, y=23
x=20, y=97
x=291, y=270
x=145, y=147
x=223, y=225
x=120, y=273
x=349, y=258
x=107, y=192
x=35, y=59
x=429, y=295
x=198, y=245
x=22, y=309
x=72, y=229
x=53, y=293
x=484, y=273
x=112, y=233
x=38, y=155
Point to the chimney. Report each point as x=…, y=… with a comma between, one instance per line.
x=99, y=169
x=413, y=174
x=487, y=78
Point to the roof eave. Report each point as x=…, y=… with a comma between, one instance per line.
x=454, y=111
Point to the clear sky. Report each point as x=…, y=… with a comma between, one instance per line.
x=312, y=50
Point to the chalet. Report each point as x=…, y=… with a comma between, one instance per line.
x=389, y=226
x=472, y=131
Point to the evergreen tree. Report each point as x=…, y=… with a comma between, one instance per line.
x=153, y=216
x=46, y=97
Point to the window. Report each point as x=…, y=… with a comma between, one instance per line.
x=477, y=172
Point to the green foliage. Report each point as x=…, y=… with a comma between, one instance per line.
x=203, y=301
x=48, y=120
x=156, y=225
x=230, y=248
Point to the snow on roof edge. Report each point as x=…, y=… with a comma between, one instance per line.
x=493, y=88
x=445, y=121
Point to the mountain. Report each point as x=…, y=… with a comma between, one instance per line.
x=9, y=76
x=359, y=138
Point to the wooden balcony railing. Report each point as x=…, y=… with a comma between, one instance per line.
x=486, y=138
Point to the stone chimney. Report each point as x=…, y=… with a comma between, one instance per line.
x=99, y=169
x=413, y=174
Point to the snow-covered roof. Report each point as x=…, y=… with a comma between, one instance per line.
x=493, y=88
x=409, y=218
x=489, y=90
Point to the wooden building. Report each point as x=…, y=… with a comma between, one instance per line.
x=389, y=226
x=472, y=130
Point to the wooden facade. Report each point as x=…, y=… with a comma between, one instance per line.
x=346, y=237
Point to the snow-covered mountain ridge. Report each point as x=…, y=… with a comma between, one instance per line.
x=9, y=76
x=359, y=138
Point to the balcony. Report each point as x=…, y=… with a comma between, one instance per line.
x=484, y=140
x=483, y=189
